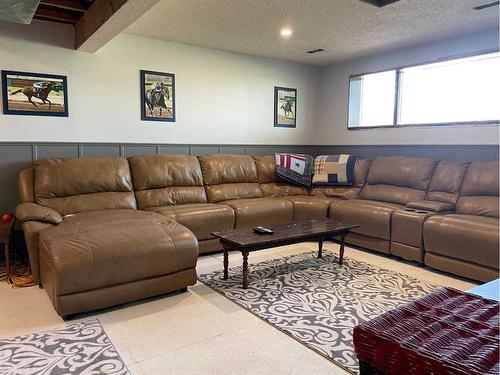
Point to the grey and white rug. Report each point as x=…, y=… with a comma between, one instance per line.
x=317, y=301
x=79, y=348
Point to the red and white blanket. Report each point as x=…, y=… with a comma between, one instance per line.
x=296, y=168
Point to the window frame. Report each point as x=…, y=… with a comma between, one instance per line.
x=397, y=94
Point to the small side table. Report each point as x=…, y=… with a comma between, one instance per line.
x=5, y=238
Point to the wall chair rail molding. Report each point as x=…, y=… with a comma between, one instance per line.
x=15, y=156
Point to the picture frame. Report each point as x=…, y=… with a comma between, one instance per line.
x=157, y=96
x=285, y=107
x=34, y=94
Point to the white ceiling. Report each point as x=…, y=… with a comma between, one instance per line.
x=344, y=28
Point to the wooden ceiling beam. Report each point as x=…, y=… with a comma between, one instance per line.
x=96, y=16
x=71, y=5
x=55, y=16
x=105, y=19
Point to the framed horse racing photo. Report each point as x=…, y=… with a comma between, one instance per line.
x=157, y=96
x=285, y=107
x=34, y=94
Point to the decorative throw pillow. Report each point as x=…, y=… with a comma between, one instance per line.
x=334, y=170
x=296, y=168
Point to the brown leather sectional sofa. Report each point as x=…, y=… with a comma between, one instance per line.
x=104, y=231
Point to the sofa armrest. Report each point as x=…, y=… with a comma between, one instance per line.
x=35, y=212
x=31, y=230
x=432, y=206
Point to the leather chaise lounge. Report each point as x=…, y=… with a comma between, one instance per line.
x=88, y=244
x=105, y=231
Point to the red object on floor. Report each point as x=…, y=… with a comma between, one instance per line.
x=446, y=332
x=7, y=218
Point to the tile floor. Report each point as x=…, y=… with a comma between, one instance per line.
x=199, y=332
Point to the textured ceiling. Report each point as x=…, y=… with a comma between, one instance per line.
x=344, y=28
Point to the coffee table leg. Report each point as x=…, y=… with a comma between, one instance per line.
x=226, y=263
x=245, y=269
x=320, y=249
x=342, y=241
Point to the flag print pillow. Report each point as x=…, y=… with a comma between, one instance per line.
x=334, y=170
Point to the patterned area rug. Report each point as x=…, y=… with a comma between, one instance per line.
x=78, y=348
x=317, y=301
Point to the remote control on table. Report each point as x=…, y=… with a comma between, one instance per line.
x=262, y=230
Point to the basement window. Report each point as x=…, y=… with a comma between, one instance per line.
x=460, y=91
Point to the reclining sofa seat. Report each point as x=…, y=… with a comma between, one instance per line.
x=407, y=224
x=392, y=182
x=172, y=185
x=232, y=180
x=88, y=244
x=307, y=203
x=466, y=243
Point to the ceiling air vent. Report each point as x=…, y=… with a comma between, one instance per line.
x=317, y=50
x=487, y=5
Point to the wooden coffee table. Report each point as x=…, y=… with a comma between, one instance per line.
x=246, y=241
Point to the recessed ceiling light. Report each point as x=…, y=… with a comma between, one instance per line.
x=286, y=32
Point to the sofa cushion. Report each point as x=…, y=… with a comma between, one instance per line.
x=391, y=194
x=398, y=179
x=404, y=171
x=282, y=190
x=99, y=249
x=480, y=205
x=266, y=169
x=446, y=181
x=83, y=184
x=482, y=178
x=361, y=171
x=229, y=177
x=227, y=169
x=336, y=192
x=469, y=238
x=161, y=180
x=26, y=184
x=200, y=218
x=223, y=192
x=373, y=217
x=254, y=212
x=479, y=195
x=309, y=207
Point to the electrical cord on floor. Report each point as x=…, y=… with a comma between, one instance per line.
x=20, y=271
x=20, y=275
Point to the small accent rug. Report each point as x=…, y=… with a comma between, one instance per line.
x=317, y=301
x=78, y=348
